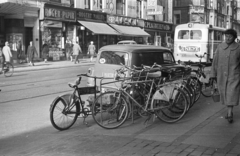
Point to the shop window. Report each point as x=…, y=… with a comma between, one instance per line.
x=87, y=4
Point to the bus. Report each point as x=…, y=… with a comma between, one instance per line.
x=195, y=38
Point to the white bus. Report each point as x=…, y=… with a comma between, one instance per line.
x=194, y=38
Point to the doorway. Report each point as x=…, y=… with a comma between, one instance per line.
x=28, y=37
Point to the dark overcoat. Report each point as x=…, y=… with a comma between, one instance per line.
x=31, y=51
x=226, y=67
x=45, y=51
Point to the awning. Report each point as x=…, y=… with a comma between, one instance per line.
x=99, y=28
x=129, y=31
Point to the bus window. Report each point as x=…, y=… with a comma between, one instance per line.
x=196, y=34
x=183, y=34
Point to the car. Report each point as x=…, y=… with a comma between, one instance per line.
x=127, y=42
x=111, y=57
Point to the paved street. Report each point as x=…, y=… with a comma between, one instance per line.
x=25, y=127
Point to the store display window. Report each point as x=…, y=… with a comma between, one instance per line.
x=52, y=35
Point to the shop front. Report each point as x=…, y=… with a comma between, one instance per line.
x=56, y=26
x=129, y=28
x=161, y=33
x=92, y=27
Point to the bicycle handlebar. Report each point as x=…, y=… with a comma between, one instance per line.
x=86, y=75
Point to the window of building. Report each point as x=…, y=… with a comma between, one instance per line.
x=177, y=19
x=87, y=4
x=139, y=10
x=177, y=3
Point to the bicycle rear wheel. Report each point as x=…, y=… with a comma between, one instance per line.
x=63, y=115
x=9, y=70
x=110, y=110
x=172, y=111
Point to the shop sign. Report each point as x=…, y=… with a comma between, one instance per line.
x=57, y=1
x=83, y=14
x=159, y=26
x=132, y=8
x=59, y=14
x=112, y=19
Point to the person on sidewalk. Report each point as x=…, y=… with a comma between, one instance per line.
x=7, y=54
x=31, y=51
x=226, y=70
x=76, y=51
x=68, y=50
x=91, y=50
x=19, y=51
x=1, y=59
x=45, y=51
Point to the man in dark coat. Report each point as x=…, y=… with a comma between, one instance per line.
x=31, y=51
x=45, y=51
x=226, y=69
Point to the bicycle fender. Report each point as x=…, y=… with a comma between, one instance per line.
x=64, y=97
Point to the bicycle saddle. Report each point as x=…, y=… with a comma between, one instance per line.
x=155, y=74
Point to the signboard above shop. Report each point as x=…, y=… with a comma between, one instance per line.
x=59, y=13
x=90, y=15
x=157, y=25
x=121, y=20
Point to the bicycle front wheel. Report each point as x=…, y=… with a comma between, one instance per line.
x=9, y=70
x=63, y=115
x=110, y=110
x=173, y=110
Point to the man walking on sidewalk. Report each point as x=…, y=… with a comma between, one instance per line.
x=7, y=54
x=31, y=51
x=76, y=51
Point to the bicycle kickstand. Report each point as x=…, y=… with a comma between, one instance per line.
x=85, y=122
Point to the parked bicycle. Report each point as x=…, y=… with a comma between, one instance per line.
x=204, y=86
x=65, y=109
x=113, y=112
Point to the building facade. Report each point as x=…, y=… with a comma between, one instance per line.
x=102, y=21
x=220, y=13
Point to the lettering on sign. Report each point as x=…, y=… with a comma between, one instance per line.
x=189, y=48
x=59, y=14
x=90, y=15
x=160, y=26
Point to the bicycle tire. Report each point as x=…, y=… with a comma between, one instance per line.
x=188, y=96
x=110, y=114
x=207, y=89
x=175, y=111
x=197, y=86
x=9, y=71
x=62, y=115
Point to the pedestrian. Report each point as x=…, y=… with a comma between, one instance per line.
x=31, y=51
x=226, y=70
x=7, y=54
x=76, y=51
x=68, y=50
x=1, y=59
x=19, y=51
x=91, y=50
x=45, y=51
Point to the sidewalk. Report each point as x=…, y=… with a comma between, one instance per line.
x=49, y=65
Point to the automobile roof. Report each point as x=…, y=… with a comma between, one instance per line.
x=132, y=47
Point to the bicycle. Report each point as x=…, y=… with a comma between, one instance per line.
x=8, y=69
x=204, y=87
x=65, y=109
x=114, y=112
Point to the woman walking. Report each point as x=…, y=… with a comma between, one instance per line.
x=91, y=50
x=226, y=70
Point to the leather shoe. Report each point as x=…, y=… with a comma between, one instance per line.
x=229, y=118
